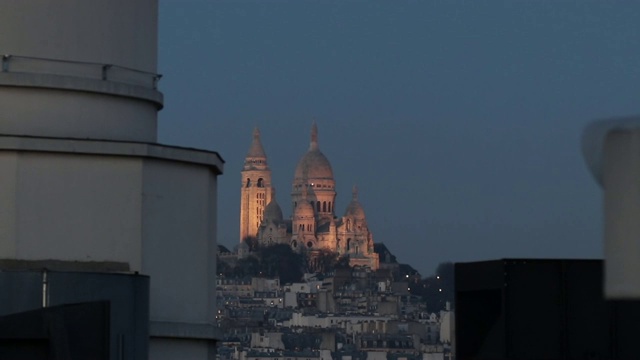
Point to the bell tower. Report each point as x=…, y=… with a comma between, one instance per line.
x=255, y=191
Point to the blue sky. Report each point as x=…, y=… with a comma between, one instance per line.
x=460, y=122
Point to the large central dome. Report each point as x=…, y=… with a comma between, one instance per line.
x=313, y=181
x=313, y=165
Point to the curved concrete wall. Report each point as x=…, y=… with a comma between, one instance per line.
x=75, y=115
x=90, y=66
x=118, y=32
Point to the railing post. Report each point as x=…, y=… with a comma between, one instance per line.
x=5, y=63
x=105, y=70
x=156, y=79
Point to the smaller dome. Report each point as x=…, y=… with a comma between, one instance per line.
x=273, y=212
x=303, y=209
x=354, y=209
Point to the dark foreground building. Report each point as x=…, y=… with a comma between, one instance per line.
x=79, y=314
x=541, y=309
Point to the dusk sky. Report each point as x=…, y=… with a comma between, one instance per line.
x=460, y=122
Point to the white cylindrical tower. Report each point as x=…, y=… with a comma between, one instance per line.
x=83, y=179
x=612, y=151
x=89, y=66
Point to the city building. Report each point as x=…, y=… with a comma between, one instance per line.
x=314, y=225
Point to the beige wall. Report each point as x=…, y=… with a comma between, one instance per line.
x=83, y=70
x=74, y=114
x=177, y=240
x=156, y=215
x=65, y=207
x=121, y=32
x=57, y=51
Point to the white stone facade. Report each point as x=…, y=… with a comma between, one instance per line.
x=313, y=226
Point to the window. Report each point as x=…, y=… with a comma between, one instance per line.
x=260, y=183
x=248, y=183
x=324, y=206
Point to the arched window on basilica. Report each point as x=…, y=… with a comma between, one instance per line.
x=260, y=182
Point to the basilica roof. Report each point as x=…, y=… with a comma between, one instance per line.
x=313, y=165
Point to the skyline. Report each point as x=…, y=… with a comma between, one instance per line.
x=459, y=123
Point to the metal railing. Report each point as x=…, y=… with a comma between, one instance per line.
x=105, y=72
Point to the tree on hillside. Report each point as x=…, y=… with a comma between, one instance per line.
x=222, y=268
x=252, y=242
x=280, y=260
x=247, y=266
x=438, y=289
x=324, y=261
x=343, y=262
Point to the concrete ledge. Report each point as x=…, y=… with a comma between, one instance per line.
x=61, y=265
x=114, y=148
x=187, y=331
x=72, y=83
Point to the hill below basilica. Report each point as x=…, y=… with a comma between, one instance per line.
x=288, y=266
